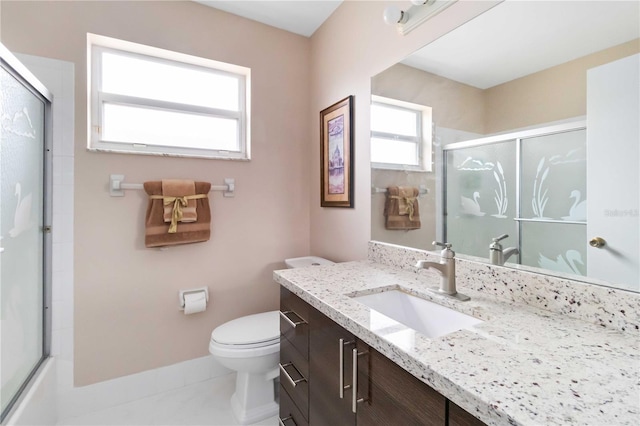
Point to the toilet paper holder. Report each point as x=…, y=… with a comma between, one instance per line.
x=182, y=293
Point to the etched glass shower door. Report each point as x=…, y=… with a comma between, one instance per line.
x=480, y=197
x=554, y=207
x=22, y=114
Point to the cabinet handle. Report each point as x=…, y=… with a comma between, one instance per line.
x=354, y=398
x=281, y=421
x=293, y=324
x=294, y=383
x=342, y=344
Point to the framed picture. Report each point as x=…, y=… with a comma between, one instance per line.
x=336, y=154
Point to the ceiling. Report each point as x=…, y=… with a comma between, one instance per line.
x=297, y=16
x=500, y=45
x=517, y=38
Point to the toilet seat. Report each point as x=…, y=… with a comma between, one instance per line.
x=252, y=335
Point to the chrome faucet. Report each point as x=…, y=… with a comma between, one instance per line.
x=447, y=270
x=498, y=255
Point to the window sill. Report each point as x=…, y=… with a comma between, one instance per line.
x=166, y=154
x=399, y=168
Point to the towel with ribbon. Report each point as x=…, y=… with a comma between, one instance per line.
x=179, y=203
x=196, y=228
x=401, y=208
x=179, y=199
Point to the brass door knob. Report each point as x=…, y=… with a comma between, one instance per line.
x=597, y=242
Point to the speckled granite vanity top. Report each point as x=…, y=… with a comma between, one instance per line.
x=522, y=365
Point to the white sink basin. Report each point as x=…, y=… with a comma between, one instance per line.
x=426, y=317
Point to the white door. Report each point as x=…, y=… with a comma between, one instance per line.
x=613, y=179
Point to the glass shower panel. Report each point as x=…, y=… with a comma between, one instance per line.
x=21, y=238
x=554, y=176
x=554, y=188
x=480, y=197
x=555, y=247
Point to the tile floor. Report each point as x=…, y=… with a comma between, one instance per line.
x=203, y=403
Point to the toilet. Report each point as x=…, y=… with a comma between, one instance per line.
x=250, y=345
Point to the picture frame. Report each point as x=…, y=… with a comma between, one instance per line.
x=336, y=154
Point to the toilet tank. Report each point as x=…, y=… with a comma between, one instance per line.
x=303, y=262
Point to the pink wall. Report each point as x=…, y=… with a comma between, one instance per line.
x=353, y=45
x=126, y=296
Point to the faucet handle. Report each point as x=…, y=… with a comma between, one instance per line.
x=446, y=252
x=445, y=245
x=501, y=237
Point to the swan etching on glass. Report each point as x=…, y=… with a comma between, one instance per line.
x=578, y=210
x=568, y=263
x=22, y=215
x=471, y=206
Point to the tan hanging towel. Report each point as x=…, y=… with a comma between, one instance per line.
x=179, y=188
x=402, y=210
x=157, y=231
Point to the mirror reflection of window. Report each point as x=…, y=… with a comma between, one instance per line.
x=400, y=135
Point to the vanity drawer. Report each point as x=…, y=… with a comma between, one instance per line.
x=294, y=324
x=294, y=375
x=289, y=413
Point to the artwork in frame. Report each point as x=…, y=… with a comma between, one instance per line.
x=336, y=154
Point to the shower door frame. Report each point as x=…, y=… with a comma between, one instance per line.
x=15, y=68
x=517, y=137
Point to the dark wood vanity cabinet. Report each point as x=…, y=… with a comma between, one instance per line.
x=294, y=359
x=323, y=394
x=459, y=417
x=330, y=346
x=391, y=396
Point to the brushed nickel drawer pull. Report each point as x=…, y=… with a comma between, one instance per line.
x=293, y=324
x=342, y=344
x=281, y=421
x=354, y=398
x=294, y=383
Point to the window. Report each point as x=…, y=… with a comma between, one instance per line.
x=146, y=100
x=400, y=135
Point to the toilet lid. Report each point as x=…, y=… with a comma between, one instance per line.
x=257, y=328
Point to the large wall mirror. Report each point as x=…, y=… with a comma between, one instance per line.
x=522, y=122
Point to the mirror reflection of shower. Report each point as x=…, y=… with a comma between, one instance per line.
x=534, y=169
x=489, y=88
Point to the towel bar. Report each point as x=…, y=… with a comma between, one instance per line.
x=117, y=186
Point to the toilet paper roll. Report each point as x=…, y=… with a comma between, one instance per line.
x=195, y=302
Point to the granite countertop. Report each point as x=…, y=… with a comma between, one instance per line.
x=521, y=366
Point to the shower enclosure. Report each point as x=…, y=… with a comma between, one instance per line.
x=25, y=158
x=530, y=185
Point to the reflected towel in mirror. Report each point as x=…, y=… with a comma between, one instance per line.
x=401, y=208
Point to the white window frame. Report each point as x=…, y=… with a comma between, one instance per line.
x=423, y=140
x=96, y=45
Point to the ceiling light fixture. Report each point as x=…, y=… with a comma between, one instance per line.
x=421, y=10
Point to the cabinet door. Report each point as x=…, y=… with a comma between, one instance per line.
x=459, y=417
x=392, y=396
x=325, y=405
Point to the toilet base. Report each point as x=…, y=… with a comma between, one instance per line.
x=254, y=398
